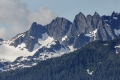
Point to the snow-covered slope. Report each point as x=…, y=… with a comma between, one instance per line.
x=20, y=57
x=11, y=53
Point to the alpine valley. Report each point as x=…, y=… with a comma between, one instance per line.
x=59, y=37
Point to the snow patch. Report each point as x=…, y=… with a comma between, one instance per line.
x=7, y=42
x=21, y=46
x=117, y=46
x=115, y=18
x=32, y=37
x=10, y=53
x=36, y=46
x=45, y=55
x=92, y=34
x=117, y=32
x=108, y=25
x=44, y=36
x=62, y=50
x=20, y=35
x=3, y=60
x=13, y=39
x=105, y=44
x=45, y=40
x=71, y=48
x=90, y=73
x=49, y=45
x=34, y=64
x=117, y=52
x=64, y=38
x=24, y=59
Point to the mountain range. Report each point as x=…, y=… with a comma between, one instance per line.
x=59, y=37
x=97, y=60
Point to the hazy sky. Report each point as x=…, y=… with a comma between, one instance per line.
x=16, y=16
x=69, y=8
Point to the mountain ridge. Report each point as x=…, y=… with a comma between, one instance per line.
x=97, y=60
x=57, y=38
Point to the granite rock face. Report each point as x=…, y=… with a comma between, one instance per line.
x=84, y=29
x=90, y=26
x=58, y=28
x=29, y=37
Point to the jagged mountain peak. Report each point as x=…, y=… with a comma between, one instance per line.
x=79, y=20
x=58, y=28
x=34, y=24
x=96, y=14
x=36, y=29
x=114, y=13
x=60, y=20
x=79, y=16
x=115, y=16
x=79, y=25
x=96, y=17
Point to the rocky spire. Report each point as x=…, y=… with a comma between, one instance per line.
x=58, y=28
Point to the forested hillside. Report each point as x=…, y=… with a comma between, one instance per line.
x=98, y=60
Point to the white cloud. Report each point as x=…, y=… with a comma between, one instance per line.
x=3, y=33
x=43, y=17
x=16, y=14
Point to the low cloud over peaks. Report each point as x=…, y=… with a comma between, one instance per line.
x=19, y=17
